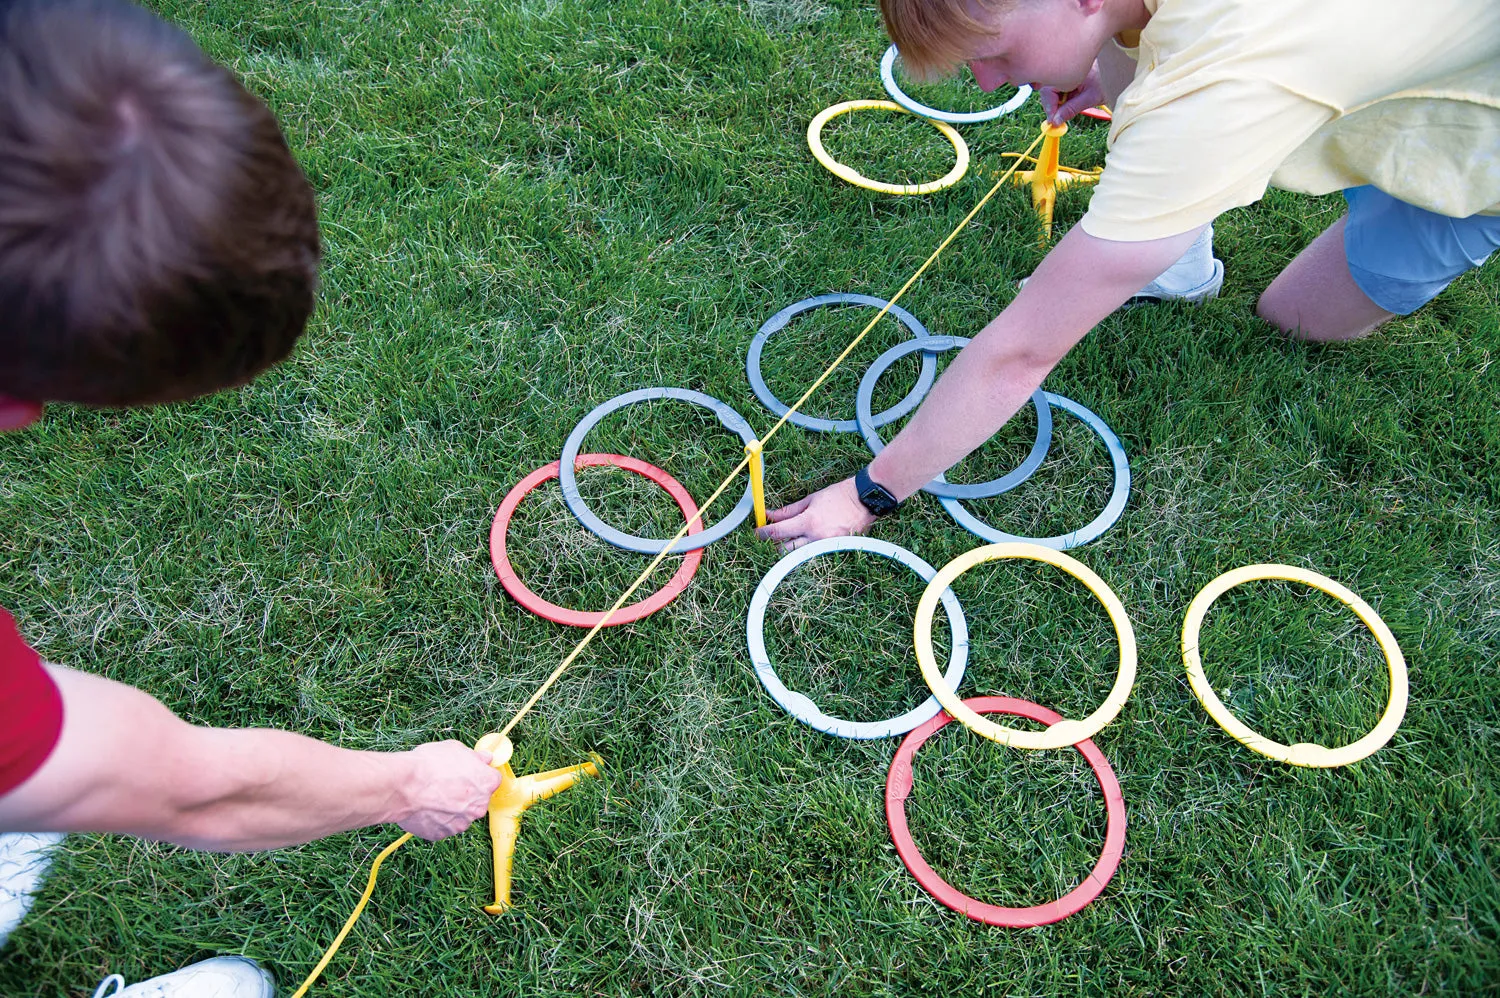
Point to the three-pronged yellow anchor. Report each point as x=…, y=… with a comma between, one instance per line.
x=1050, y=175
x=514, y=795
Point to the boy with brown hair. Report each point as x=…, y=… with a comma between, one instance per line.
x=158, y=241
x=1396, y=104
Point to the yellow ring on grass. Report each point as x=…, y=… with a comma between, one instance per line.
x=1064, y=732
x=1303, y=753
x=853, y=176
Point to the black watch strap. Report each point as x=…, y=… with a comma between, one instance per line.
x=875, y=497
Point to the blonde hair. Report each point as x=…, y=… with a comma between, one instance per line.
x=935, y=37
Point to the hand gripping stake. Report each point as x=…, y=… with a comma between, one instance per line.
x=514, y=795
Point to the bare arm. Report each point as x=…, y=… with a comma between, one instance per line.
x=1080, y=282
x=125, y=763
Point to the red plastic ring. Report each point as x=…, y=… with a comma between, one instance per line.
x=898, y=787
x=581, y=618
x=1097, y=113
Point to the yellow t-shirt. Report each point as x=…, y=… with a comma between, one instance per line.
x=1231, y=96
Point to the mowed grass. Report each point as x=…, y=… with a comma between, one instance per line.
x=530, y=206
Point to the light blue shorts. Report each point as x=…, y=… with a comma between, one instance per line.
x=1401, y=256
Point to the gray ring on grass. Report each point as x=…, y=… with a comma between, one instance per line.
x=799, y=705
x=939, y=486
x=778, y=322
x=888, y=77
x=568, y=478
x=1100, y=523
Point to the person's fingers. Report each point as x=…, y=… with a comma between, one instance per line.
x=1059, y=106
x=1077, y=102
x=782, y=530
x=1072, y=107
x=786, y=512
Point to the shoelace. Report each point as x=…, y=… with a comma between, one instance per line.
x=116, y=980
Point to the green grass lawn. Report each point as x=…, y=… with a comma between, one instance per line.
x=531, y=206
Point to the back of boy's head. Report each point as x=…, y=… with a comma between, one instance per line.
x=935, y=37
x=157, y=239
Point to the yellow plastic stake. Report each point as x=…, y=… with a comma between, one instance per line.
x=755, y=452
x=514, y=795
x=1050, y=175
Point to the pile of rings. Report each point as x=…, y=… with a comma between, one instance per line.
x=902, y=102
x=944, y=705
x=867, y=422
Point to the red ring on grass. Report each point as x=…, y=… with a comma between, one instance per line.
x=898, y=787
x=582, y=618
x=1097, y=113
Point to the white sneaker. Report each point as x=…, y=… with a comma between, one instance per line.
x=24, y=860
x=1195, y=294
x=1196, y=277
x=220, y=977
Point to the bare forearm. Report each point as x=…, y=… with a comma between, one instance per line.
x=1080, y=282
x=125, y=763
x=994, y=375
x=267, y=788
x=979, y=392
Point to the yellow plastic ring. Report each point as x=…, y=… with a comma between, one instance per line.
x=1303, y=753
x=1064, y=732
x=853, y=176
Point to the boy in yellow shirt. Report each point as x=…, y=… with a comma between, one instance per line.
x=1396, y=104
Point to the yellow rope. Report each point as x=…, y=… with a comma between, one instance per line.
x=667, y=549
x=358, y=910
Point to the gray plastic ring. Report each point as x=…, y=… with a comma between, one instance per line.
x=888, y=77
x=778, y=322
x=568, y=478
x=799, y=705
x=940, y=486
x=1100, y=524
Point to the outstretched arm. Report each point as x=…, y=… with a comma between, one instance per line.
x=1080, y=282
x=125, y=763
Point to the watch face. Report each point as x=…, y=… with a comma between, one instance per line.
x=877, y=500
x=872, y=495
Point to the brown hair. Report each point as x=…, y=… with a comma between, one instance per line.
x=935, y=37
x=157, y=239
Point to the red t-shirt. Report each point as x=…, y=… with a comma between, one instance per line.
x=31, y=709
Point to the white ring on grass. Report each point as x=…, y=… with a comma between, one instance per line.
x=888, y=77
x=1100, y=523
x=568, y=478
x=778, y=322
x=799, y=705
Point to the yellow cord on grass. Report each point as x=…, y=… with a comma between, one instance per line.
x=667, y=548
x=354, y=917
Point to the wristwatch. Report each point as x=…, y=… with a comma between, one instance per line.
x=875, y=497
